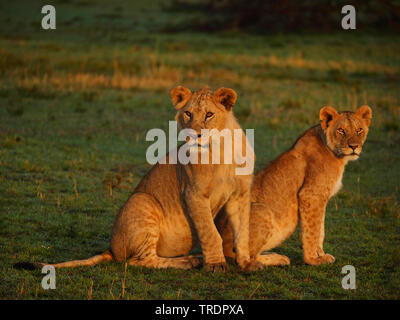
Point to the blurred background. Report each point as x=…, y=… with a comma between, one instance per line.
x=268, y=17
x=76, y=103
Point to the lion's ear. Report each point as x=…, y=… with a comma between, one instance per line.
x=180, y=96
x=226, y=97
x=326, y=115
x=365, y=113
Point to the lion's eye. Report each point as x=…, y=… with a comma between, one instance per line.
x=359, y=131
x=209, y=115
x=188, y=114
x=340, y=131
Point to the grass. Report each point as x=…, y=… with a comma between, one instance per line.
x=76, y=103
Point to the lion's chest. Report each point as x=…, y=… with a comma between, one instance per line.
x=222, y=191
x=338, y=185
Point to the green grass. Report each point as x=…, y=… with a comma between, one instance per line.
x=76, y=103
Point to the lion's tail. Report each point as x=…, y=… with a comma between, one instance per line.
x=103, y=257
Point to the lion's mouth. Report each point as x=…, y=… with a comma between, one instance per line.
x=197, y=143
x=203, y=146
x=351, y=154
x=342, y=154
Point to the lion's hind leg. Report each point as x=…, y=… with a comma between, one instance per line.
x=145, y=253
x=152, y=260
x=137, y=232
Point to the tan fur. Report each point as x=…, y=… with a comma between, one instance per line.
x=299, y=183
x=174, y=206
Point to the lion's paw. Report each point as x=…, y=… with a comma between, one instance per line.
x=195, y=260
x=283, y=261
x=216, y=267
x=325, y=259
x=255, y=265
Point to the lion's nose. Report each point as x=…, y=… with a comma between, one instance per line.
x=199, y=135
x=353, y=146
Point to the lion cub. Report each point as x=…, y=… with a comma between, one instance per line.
x=174, y=206
x=299, y=183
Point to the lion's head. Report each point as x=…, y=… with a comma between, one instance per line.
x=345, y=131
x=203, y=109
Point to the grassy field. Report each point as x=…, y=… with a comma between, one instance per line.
x=75, y=106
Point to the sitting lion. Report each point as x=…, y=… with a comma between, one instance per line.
x=299, y=183
x=174, y=206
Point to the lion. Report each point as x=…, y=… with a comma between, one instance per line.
x=173, y=207
x=299, y=183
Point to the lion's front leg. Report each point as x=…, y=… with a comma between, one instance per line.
x=312, y=215
x=211, y=243
x=237, y=210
